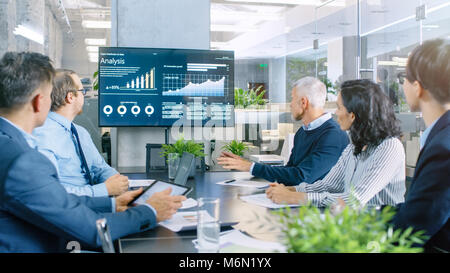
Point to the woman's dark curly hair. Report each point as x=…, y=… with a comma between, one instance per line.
x=375, y=119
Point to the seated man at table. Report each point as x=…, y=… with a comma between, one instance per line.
x=317, y=144
x=36, y=213
x=81, y=169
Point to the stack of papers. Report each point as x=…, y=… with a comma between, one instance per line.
x=262, y=200
x=187, y=220
x=267, y=159
x=181, y=221
x=236, y=241
x=189, y=203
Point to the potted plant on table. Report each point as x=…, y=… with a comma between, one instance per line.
x=182, y=145
x=350, y=231
x=236, y=147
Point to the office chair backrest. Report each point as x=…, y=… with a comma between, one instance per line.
x=105, y=236
x=184, y=168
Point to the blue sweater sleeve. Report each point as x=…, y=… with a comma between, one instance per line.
x=316, y=165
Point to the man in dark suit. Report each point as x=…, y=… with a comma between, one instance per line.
x=36, y=213
x=426, y=84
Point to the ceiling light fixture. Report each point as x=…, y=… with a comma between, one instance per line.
x=92, y=48
x=431, y=10
x=95, y=42
x=93, y=60
x=93, y=54
x=340, y=3
x=307, y=48
x=219, y=44
x=232, y=28
x=29, y=34
x=430, y=26
x=96, y=24
x=93, y=57
x=240, y=15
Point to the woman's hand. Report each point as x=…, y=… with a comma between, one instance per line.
x=280, y=194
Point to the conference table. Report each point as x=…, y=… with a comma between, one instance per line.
x=255, y=221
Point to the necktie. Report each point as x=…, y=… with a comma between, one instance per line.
x=80, y=150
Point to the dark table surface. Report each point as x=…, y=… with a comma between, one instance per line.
x=254, y=220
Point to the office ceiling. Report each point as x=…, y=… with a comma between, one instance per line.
x=274, y=28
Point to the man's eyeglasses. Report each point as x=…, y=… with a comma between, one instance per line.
x=82, y=90
x=401, y=77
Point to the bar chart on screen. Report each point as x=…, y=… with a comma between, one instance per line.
x=131, y=78
x=143, y=81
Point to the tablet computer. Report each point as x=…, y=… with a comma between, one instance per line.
x=158, y=186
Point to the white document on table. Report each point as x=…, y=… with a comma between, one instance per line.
x=181, y=221
x=245, y=183
x=236, y=238
x=189, y=203
x=135, y=183
x=262, y=200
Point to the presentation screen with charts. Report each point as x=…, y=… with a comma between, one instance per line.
x=164, y=87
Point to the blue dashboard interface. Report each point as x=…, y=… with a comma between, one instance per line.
x=159, y=87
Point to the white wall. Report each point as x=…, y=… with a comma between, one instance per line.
x=335, y=60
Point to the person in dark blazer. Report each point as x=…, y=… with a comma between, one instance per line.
x=426, y=84
x=36, y=212
x=318, y=144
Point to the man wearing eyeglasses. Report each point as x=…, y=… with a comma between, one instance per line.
x=81, y=168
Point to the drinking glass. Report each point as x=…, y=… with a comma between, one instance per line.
x=173, y=161
x=208, y=227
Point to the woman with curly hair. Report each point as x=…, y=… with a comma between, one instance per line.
x=371, y=170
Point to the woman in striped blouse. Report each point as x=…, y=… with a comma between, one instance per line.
x=371, y=170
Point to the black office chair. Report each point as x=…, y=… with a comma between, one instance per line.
x=153, y=160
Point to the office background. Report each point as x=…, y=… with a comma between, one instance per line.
x=275, y=43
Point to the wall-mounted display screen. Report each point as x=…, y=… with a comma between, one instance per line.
x=158, y=87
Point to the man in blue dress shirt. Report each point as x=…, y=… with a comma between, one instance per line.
x=318, y=144
x=81, y=169
x=36, y=212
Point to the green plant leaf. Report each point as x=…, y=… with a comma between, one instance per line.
x=181, y=146
x=351, y=231
x=236, y=147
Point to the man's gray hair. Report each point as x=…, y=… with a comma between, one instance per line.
x=313, y=89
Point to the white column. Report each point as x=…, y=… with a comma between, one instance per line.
x=158, y=24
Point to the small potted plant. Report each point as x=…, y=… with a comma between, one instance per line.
x=349, y=231
x=236, y=147
x=181, y=146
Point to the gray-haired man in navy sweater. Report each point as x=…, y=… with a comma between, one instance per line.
x=318, y=144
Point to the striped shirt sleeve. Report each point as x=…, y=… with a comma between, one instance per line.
x=334, y=180
x=378, y=171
